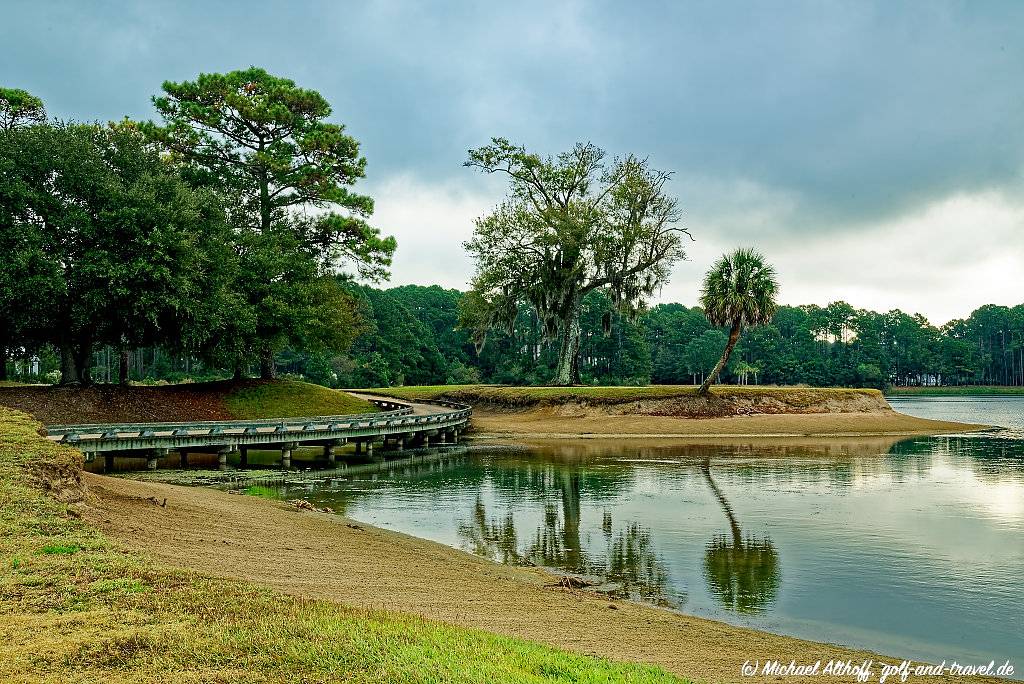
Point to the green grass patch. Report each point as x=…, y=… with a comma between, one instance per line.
x=542, y=396
x=959, y=391
x=291, y=399
x=52, y=549
x=104, y=613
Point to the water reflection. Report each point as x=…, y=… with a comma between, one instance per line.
x=910, y=547
x=742, y=572
x=626, y=564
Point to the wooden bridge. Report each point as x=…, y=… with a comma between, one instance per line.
x=396, y=425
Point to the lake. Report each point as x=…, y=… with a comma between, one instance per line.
x=913, y=548
x=1005, y=411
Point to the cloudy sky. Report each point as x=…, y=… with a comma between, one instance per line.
x=874, y=151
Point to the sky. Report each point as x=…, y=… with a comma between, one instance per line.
x=874, y=152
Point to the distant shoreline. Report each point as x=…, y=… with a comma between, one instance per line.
x=677, y=412
x=957, y=391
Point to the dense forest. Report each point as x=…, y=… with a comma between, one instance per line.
x=411, y=335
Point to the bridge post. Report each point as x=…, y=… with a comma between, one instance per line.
x=184, y=458
x=154, y=458
x=222, y=457
x=369, y=447
x=286, y=456
x=329, y=453
x=455, y=436
x=108, y=462
x=243, y=455
x=399, y=442
x=359, y=446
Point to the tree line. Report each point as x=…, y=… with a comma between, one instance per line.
x=412, y=335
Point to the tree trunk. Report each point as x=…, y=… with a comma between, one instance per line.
x=567, y=372
x=83, y=359
x=268, y=370
x=68, y=366
x=238, y=375
x=122, y=371
x=734, y=336
x=3, y=364
x=734, y=526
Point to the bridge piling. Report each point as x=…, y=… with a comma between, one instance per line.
x=108, y=463
x=154, y=458
x=243, y=456
x=286, y=456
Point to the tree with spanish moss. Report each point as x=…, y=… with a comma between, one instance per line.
x=739, y=291
x=571, y=224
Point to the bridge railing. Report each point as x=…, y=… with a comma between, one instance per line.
x=394, y=416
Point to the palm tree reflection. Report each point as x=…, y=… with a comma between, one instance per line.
x=742, y=573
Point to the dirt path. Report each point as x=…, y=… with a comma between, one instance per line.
x=418, y=409
x=329, y=557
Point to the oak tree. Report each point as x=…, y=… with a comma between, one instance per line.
x=571, y=224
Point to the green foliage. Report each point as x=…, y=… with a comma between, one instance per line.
x=740, y=289
x=19, y=108
x=571, y=225
x=264, y=143
x=104, y=243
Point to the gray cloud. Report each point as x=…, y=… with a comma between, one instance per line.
x=782, y=120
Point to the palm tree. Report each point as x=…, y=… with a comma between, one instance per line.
x=739, y=291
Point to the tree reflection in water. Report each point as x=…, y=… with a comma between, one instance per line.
x=629, y=566
x=742, y=573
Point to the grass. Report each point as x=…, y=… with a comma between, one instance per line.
x=290, y=399
x=540, y=396
x=960, y=390
x=103, y=613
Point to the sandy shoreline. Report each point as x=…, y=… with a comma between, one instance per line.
x=549, y=423
x=329, y=557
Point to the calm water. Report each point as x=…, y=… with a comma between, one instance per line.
x=914, y=548
x=1005, y=411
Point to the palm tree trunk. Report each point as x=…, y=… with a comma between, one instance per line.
x=734, y=526
x=734, y=336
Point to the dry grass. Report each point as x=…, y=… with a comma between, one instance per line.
x=76, y=607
